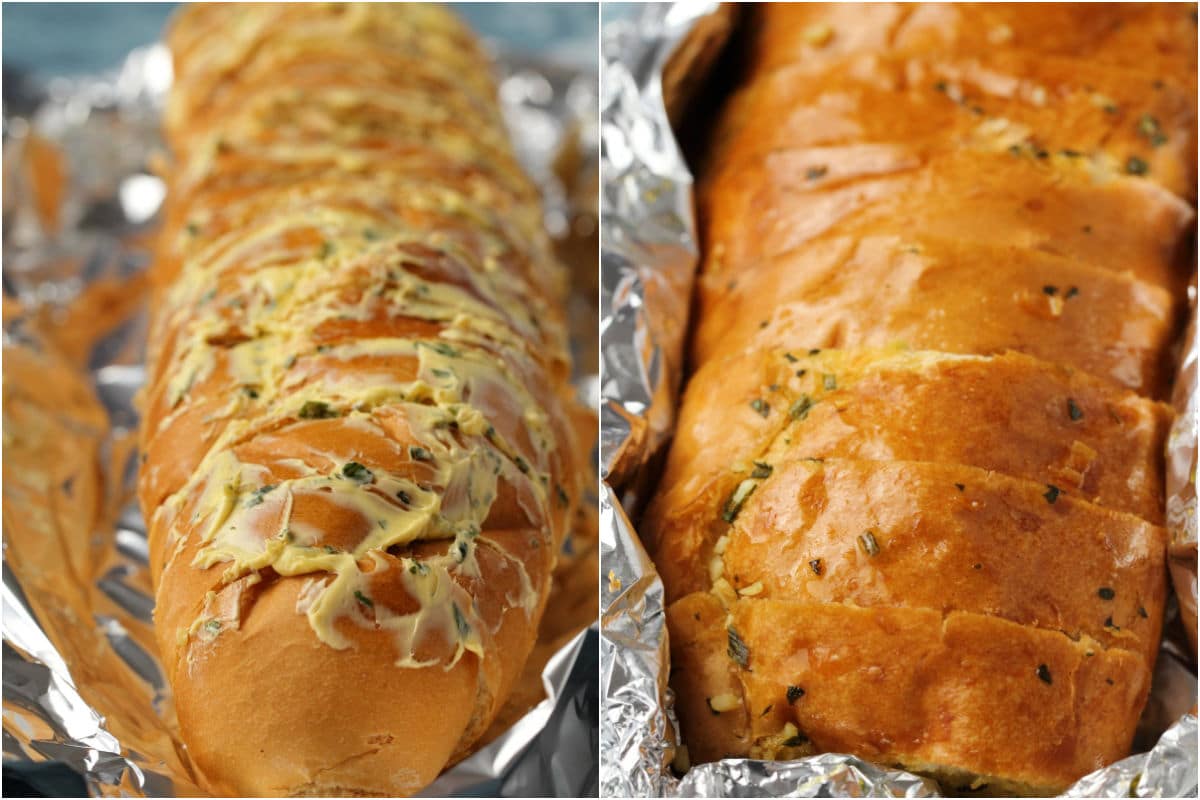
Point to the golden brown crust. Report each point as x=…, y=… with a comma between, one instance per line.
x=911, y=687
x=359, y=460
x=917, y=470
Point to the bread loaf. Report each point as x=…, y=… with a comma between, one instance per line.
x=913, y=507
x=358, y=464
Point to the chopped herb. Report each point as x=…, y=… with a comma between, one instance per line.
x=1042, y=153
x=357, y=473
x=441, y=373
x=737, y=648
x=941, y=86
x=1136, y=166
x=1106, y=593
x=193, y=229
x=794, y=693
x=800, y=408
x=256, y=497
x=736, y=500
x=1050, y=290
x=213, y=626
x=522, y=464
x=1073, y=410
x=962, y=487
x=762, y=407
x=814, y=173
x=362, y=598
x=1108, y=623
x=761, y=470
x=774, y=387
x=330, y=548
x=830, y=382
x=419, y=453
x=325, y=251
x=1043, y=673
x=370, y=234
x=563, y=497
x=1072, y=292
x=800, y=373
x=764, y=324
x=1014, y=149
x=814, y=351
x=867, y=542
x=315, y=409
x=815, y=566
x=1071, y=153
x=1142, y=612
x=418, y=568
x=441, y=348
x=461, y=549
x=796, y=740
x=1151, y=131
x=250, y=392
x=767, y=710
x=1052, y=493
x=790, y=357
x=404, y=497
x=460, y=622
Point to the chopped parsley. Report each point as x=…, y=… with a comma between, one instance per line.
x=867, y=542
x=315, y=409
x=1043, y=673
x=326, y=250
x=1052, y=493
x=830, y=382
x=800, y=408
x=762, y=470
x=794, y=693
x=1073, y=410
x=962, y=487
x=419, y=453
x=460, y=622
x=817, y=172
x=1106, y=593
x=357, y=472
x=1074, y=290
x=362, y=598
x=1136, y=166
x=1151, y=131
x=761, y=406
x=736, y=500
x=737, y=648
x=256, y=497
x=213, y=626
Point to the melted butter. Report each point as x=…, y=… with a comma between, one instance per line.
x=341, y=248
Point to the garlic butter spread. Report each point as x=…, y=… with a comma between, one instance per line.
x=393, y=210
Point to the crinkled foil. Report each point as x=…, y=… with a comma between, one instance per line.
x=648, y=257
x=82, y=682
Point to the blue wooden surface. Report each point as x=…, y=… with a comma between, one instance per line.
x=69, y=38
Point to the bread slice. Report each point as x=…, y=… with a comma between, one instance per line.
x=942, y=294
x=975, y=701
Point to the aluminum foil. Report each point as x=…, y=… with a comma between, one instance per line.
x=648, y=256
x=82, y=684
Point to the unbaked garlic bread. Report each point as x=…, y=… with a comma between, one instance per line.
x=358, y=458
x=913, y=507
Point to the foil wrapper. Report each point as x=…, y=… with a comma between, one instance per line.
x=648, y=259
x=82, y=683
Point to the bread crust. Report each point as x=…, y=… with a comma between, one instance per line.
x=359, y=461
